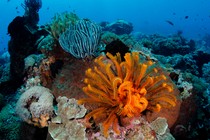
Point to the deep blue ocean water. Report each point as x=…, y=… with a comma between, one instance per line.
x=148, y=16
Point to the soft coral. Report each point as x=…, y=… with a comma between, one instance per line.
x=125, y=89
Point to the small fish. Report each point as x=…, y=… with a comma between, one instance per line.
x=169, y=22
x=16, y=7
x=48, y=8
x=186, y=17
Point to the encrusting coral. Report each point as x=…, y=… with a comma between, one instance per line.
x=125, y=89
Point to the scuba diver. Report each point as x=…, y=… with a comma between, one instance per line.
x=24, y=33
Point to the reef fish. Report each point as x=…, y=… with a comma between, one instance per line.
x=169, y=22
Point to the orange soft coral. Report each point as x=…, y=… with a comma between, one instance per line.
x=125, y=89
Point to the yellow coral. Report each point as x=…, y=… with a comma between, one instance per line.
x=125, y=89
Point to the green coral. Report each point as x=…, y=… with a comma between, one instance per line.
x=61, y=22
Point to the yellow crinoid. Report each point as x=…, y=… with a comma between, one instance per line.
x=125, y=89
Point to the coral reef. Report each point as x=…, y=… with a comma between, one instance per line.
x=206, y=72
x=35, y=106
x=139, y=129
x=125, y=89
x=167, y=46
x=125, y=95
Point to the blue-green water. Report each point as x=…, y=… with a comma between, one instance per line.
x=147, y=16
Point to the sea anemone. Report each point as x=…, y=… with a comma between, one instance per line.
x=125, y=89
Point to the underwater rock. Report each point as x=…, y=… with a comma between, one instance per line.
x=118, y=27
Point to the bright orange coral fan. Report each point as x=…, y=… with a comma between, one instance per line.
x=125, y=89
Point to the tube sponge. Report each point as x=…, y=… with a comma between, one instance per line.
x=35, y=106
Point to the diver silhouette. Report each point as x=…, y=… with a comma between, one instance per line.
x=24, y=33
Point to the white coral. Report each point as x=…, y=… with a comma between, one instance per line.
x=34, y=104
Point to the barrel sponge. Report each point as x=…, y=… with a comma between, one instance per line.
x=35, y=106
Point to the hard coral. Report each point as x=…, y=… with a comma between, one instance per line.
x=125, y=89
x=35, y=106
x=67, y=124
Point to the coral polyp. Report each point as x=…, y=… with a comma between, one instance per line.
x=125, y=89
